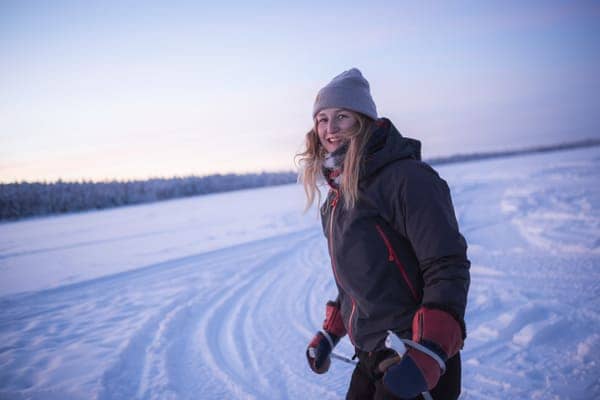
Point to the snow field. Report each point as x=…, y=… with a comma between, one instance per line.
x=217, y=296
x=534, y=235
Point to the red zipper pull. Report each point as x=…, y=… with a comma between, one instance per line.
x=335, y=198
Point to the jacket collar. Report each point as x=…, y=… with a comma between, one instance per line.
x=388, y=145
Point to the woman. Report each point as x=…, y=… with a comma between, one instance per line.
x=398, y=258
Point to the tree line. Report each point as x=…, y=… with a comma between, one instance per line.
x=25, y=199
x=28, y=199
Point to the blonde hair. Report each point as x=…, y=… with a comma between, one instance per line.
x=310, y=162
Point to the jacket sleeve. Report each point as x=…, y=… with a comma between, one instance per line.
x=425, y=208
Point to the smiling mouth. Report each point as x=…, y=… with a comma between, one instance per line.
x=334, y=140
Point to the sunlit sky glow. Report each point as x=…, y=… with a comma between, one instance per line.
x=103, y=90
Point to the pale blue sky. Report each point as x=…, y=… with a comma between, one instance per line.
x=124, y=89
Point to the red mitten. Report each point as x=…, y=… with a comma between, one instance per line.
x=322, y=344
x=437, y=336
x=333, y=322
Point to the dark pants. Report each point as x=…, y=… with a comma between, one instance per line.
x=366, y=382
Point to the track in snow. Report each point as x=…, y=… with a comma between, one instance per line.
x=231, y=323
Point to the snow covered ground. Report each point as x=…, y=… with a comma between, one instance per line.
x=215, y=297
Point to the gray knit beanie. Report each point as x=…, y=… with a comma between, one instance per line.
x=348, y=90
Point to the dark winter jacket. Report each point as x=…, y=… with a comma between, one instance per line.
x=399, y=247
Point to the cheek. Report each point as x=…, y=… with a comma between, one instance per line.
x=322, y=142
x=348, y=125
x=321, y=136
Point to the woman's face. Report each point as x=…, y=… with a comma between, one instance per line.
x=333, y=127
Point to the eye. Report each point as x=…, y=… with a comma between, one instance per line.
x=322, y=119
x=342, y=116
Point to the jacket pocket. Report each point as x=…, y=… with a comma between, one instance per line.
x=392, y=257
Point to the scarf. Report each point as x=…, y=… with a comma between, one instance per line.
x=333, y=166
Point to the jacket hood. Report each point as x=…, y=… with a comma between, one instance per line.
x=388, y=145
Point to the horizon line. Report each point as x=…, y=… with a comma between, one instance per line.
x=451, y=159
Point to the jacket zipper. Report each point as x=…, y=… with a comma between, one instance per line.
x=334, y=202
x=393, y=258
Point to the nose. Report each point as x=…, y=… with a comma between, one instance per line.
x=332, y=126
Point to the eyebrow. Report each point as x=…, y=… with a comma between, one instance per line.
x=337, y=111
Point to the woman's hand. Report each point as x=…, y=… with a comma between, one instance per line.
x=319, y=351
x=437, y=336
x=320, y=347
